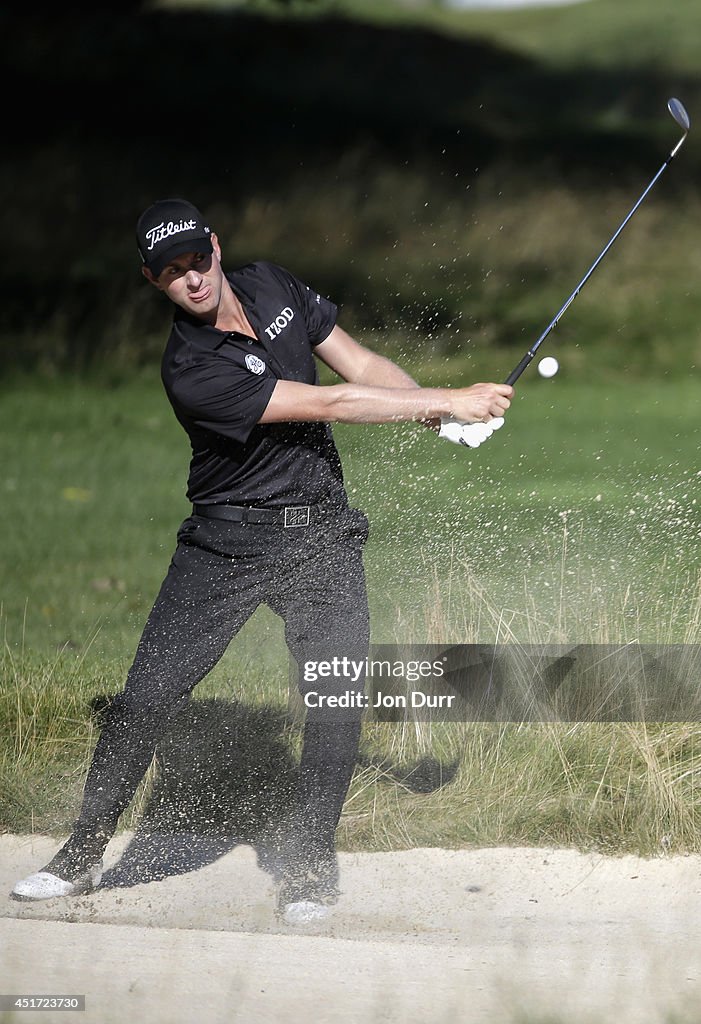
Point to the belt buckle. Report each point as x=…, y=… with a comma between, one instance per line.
x=297, y=515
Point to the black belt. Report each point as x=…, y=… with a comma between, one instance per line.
x=291, y=515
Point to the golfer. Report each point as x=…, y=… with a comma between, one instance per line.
x=270, y=523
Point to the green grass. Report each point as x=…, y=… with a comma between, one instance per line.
x=616, y=788
x=578, y=522
x=595, y=480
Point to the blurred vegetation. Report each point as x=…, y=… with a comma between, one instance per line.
x=445, y=176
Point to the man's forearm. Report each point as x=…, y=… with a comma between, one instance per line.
x=363, y=403
x=357, y=364
x=382, y=372
x=386, y=403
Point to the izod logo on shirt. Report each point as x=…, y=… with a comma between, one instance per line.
x=254, y=364
x=280, y=322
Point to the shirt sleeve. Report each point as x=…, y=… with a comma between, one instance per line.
x=222, y=397
x=318, y=312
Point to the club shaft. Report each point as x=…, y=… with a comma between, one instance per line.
x=530, y=354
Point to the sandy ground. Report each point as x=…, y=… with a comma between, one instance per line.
x=490, y=935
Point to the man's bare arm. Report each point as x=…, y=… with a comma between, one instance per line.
x=378, y=391
x=364, y=403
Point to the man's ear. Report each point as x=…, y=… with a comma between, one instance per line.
x=150, y=278
x=215, y=245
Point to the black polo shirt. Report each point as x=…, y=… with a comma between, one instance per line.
x=219, y=383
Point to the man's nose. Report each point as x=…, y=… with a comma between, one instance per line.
x=193, y=278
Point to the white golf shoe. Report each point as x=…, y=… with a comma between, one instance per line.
x=305, y=912
x=45, y=886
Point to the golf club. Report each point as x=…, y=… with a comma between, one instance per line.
x=678, y=112
x=474, y=434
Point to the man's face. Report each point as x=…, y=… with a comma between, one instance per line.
x=193, y=281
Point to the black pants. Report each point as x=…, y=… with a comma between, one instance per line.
x=313, y=577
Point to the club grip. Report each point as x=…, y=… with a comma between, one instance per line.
x=518, y=370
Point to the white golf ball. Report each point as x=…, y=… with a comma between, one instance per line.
x=548, y=366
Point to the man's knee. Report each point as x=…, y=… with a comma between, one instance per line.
x=129, y=710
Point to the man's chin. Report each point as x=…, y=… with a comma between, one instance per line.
x=203, y=306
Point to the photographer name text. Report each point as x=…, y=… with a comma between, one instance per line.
x=353, y=699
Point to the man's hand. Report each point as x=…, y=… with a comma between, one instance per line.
x=480, y=403
x=491, y=400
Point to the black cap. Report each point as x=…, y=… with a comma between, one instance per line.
x=169, y=228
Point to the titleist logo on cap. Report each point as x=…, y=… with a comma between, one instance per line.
x=163, y=230
x=169, y=228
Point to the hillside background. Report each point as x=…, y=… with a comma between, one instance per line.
x=447, y=177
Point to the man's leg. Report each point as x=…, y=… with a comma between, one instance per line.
x=204, y=600
x=326, y=616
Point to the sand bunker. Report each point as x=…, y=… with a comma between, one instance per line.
x=424, y=935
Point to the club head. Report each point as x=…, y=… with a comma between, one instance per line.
x=678, y=112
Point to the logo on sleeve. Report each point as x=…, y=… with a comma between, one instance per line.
x=254, y=364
